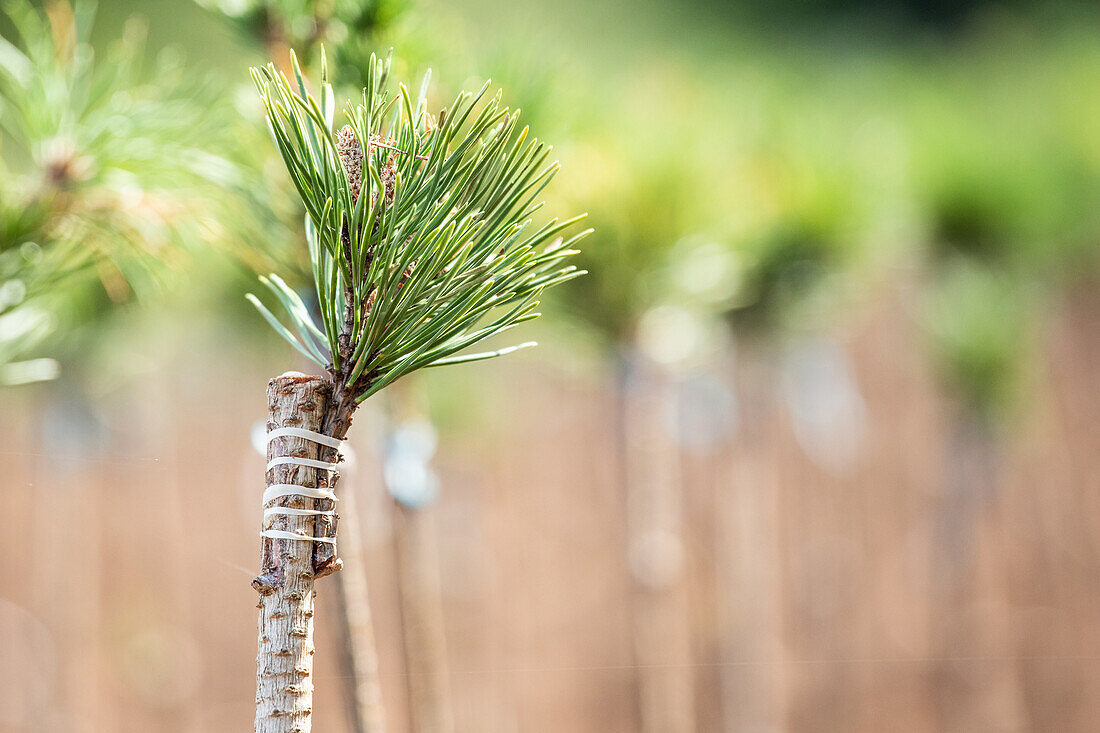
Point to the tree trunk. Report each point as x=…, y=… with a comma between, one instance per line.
x=284, y=663
x=359, y=655
x=422, y=615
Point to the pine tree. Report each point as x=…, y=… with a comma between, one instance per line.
x=422, y=244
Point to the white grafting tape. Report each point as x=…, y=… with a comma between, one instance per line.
x=279, y=534
x=297, y=512
x=275, y=491
x=310, y=435
x=295, y=461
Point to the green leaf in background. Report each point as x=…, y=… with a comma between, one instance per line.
x=113, y=172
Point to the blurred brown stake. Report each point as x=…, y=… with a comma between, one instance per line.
x=661, y=627
x=355, y=628
x=426, y=667
x=748, y=562
x=968, y=696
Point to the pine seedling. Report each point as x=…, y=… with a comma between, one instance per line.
x=422, y=244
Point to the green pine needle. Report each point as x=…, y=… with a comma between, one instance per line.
x=419, y=227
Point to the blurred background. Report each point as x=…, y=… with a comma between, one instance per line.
x=812, y=448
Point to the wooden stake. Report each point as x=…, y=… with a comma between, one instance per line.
x=661, y=623
x=359, y=655
x=422, y=614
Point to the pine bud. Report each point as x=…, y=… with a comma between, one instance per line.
x=389, y=178
x=351, y=155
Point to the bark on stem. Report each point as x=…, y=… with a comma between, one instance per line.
x=336, y=422
x=284, y=662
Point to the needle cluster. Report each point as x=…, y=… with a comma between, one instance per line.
x=420, y=227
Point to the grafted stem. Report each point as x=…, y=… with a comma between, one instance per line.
x=284, y=661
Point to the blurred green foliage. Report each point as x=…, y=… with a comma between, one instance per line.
x=350, y=30
x=978, y=318
x=764, y=162
x=117, y=164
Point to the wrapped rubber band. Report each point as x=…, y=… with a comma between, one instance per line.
x=279, y=534
x=309, y=435
x=296, y=461
x=276, y=491
x=297, y=512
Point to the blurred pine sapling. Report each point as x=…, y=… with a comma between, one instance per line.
x=108, y=172
x=349, y=29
